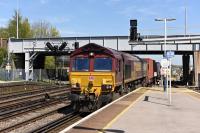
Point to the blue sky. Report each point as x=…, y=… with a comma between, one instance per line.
x=106, y=17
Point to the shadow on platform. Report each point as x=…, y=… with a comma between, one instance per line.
x=99, y=130
x=158, y=98
x=146, y=99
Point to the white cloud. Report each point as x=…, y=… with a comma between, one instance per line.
x=130, y=10
x=70, y=33
x=112, y=2
x=127, y=11
x=52, y=20
x=43, y=1
x=3, y=22
x=147, y=11
x=58, y=20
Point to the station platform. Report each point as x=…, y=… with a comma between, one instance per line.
x=147, y=110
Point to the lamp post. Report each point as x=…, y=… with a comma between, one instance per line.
x=165, y=49
x=165, y=39
x=17, y=19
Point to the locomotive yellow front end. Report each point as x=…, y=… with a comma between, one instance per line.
x=94, y=83
x=92, y=79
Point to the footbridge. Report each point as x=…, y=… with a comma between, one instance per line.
x=33, y=50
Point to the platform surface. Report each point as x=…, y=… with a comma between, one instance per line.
x=154, y=115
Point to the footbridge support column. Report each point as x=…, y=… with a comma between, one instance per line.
x=197, y=68
x=186, y=68
x=27, y=65
x=29, y=57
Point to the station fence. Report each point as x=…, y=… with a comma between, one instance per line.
x=43, y=75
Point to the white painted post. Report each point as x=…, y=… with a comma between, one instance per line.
x=165, y=47
x=167, y=84
x=17, y=19
x=170, y=83
x=27, y=64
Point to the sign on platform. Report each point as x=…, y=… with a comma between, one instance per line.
x=164, y=63
x=170, y=54
x=8, y=67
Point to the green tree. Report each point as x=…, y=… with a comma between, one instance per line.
x=44, y=29
x=4, y=33
x=24, y=26
x=49, y=62
x=3, y=54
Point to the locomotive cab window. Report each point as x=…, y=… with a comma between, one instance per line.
x=102, y=64
x=80, y=64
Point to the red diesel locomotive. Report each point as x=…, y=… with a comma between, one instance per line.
x=96, y=73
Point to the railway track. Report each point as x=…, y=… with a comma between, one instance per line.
x=30, y=92
x=4, y=116
x=59, y=124
x=53, y=126
x=26, y=122
x=27, y=100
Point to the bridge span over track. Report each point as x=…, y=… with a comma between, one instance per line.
x=32, y=50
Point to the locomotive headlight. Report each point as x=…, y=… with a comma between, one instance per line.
x=106, y=87
x=109, y=86
x=91, y=54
